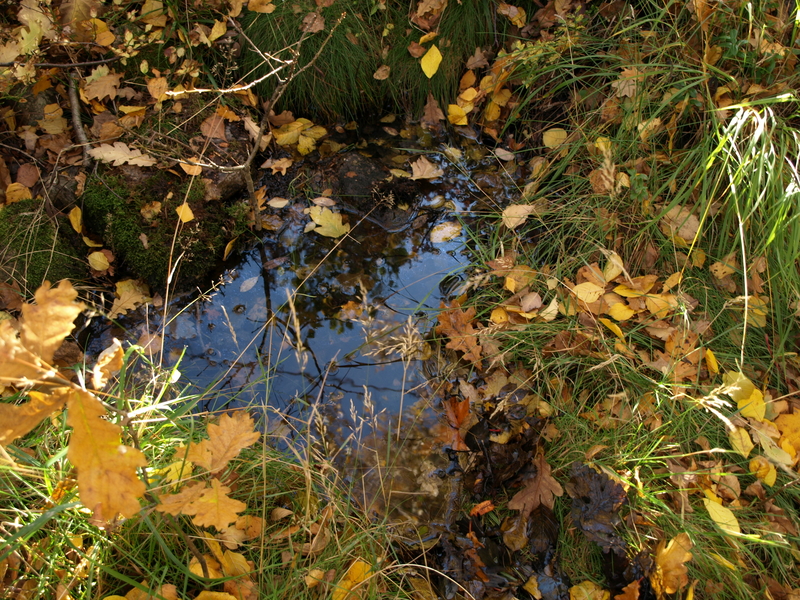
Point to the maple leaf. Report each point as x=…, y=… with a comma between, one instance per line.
x=225, y=440
x=328, y=223
x=107, y=480
x=457, y=325
x=671, y=574
x=540, y=489
x=120, y=153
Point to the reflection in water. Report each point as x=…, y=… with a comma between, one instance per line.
x=299, y=324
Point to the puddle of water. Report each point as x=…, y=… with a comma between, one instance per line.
x=244, y=340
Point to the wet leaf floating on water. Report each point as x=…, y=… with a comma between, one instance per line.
x=431, y=61
x=328, y=223
x=671, y=573
x=248, y=284
x=120, y=154
x=444, y=232
x=422, y=168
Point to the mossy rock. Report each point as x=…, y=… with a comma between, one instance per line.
x=112, y=209
x=341, y=82
x=37, y=248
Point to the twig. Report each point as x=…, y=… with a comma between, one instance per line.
x=87, y=63
x=76, y=119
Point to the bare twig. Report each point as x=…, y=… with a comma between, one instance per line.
x=76, y=119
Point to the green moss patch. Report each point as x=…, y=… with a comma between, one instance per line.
x=113, y=210
x=37, y=248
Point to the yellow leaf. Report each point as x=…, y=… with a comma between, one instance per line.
x=430, y=61
x=225, y=440
x=456, y=115
x=499, y=316
x=711, y=362
x=191, y=169
x=749, y=399
x=108, y=481
x=614, y=266
x=207, y=506
x=46, y=323
x=588, y=292
x=789, y=426
x=329, y=223
x=108, y=364
x=698, y=258
x=588, y=590
x=764, y=470
x=98, y=261
x=444, y=232
x=740, y=441
x=660, y=305
x=613, y=327
x=553, y=138
x=289, y=134
x=551, y=312
x=76, y=219
x=206, y=595
x=515, y=215
x=229, y=248
x=217, y=31
x=671, y=574
x=185, y=213
x=129, y=294
x=723, y=517
x=621, y=311
x=356, y=574
x=91, y=243
x=17, y=420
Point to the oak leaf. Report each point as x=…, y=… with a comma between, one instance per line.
x=422, y=168
x=129, y=294
x=213, y=507
x=17, y=420
x=46, y=323
x=225, y=440
x=214, y=127
x=104, y=85
x=120, y=153
x=108, y=483
x=539, y=489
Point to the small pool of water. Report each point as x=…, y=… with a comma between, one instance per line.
x=304, y=322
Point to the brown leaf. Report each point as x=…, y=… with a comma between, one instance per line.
x=432, y=114
x=477, y=60
x=312, y=23
x=28, y=175
x=382, y=73
x=108, y=364
x=539, y=489
x=457, y=325
x=214, y=127
x=416, y=50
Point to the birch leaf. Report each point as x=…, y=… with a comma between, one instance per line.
x=431, y=61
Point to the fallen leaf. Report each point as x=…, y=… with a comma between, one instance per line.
x=312, y=23
x=358, y=572
x=541, y=488
x=129, y=294
x=671, y=573
x=422, y=168
x=553, y=138
x=214, y=127
x=120, y=154
x=515, y=215
x=185, y=213
x=225, y=440
x=723, y=517
x=382, y=73
x=740, y=441
x=431, y=61
x=98, y=261
x=456, y=324
x=248, y=284
x=444, y=232
x=588, y=590
x=328, y=223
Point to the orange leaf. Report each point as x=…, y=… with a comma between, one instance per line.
x=671, y=573
x=225, y=441
x=457, y=325
x=46, y=323
x=107, y=479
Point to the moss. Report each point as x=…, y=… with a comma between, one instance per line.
x=36, y=248
x=341, y=82
x=114, y=212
